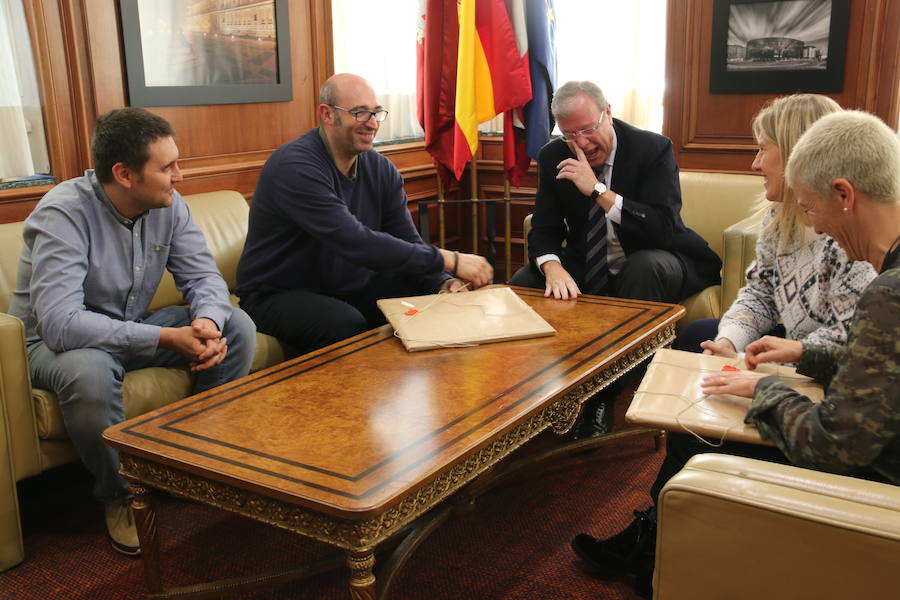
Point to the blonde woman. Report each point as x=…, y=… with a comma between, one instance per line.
x=802, y=285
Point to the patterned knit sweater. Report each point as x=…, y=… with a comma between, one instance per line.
x=810, y=287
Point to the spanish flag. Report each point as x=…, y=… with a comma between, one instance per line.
x=470, y=70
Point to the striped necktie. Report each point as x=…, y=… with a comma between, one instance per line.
x=597, y=274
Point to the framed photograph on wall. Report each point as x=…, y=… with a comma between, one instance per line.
x=778, y=46
x=187, y=52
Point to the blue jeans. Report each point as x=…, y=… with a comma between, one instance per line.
x=88, y=383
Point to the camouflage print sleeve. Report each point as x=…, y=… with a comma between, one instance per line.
x=858, y=422
x=820, y=362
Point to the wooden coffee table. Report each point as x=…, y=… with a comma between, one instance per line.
x=361, y=440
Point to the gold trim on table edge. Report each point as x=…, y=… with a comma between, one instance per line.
x=366, y=534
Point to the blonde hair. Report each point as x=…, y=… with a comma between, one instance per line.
x=782, y=121
x=852, y=145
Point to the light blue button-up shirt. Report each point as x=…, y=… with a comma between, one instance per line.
x=87, y=274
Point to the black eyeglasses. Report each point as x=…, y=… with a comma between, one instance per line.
x=364, y=115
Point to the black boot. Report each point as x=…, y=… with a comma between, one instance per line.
x=597, y=415
x=631, y=551
x=643, y=582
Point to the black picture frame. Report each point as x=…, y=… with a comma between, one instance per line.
x=732, y=74
x=264, y=84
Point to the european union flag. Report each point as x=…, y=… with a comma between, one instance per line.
x=540, y=17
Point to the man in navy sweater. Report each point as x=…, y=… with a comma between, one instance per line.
x=330, y=232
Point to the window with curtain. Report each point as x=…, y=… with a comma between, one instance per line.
x=23, y=147
x=621, y=46
x=378, y=42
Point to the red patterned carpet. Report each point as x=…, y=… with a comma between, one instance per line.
x=513, y=546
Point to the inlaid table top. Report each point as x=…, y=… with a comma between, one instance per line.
x=353, y=429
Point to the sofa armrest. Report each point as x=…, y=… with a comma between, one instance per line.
x=738, y=251
x=18, y=436
x=16, y=406
x=739, y=528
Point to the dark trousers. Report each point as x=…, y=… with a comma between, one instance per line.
x=656, y=275
x=308, y=320
x=706, y=329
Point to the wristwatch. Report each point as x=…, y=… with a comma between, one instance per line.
x=598, y=189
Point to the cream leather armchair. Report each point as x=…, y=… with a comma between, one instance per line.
x=743, y=529
x=32, y=436
x=721, y=207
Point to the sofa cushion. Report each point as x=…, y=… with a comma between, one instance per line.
x=151, y=388
x=710, y=202
x=701, y=305
x=270, y=351
x=222, y=217
x=143, y=390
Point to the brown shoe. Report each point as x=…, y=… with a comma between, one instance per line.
x=121, y=529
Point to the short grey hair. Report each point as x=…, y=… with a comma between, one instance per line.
x=564, y=98
x=328, y=93
x=852, y=145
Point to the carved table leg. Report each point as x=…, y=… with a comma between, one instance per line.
x=362, y=580
x=145, y=520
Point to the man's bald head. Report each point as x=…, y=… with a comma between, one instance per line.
x=340, y=86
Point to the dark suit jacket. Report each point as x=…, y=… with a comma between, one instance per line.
x=646, y=176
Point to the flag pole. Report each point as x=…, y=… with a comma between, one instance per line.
x=473, y=178
x=442, y=237
x=507, y=236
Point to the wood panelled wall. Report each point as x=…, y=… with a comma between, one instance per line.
x=81, y=72
x=80, y=63
x=77, y=44
x=712, y=131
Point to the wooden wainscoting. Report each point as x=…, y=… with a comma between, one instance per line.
x=713, y=131
x=81, y=73
x=491, y=185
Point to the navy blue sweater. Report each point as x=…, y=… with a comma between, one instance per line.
x=312, y=227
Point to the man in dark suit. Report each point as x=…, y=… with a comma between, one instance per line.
x=611, y=192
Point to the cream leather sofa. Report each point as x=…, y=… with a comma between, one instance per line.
x=722, y=208
x=743, y=529
x=32, y=436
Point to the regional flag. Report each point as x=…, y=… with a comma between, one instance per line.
x=437, y=40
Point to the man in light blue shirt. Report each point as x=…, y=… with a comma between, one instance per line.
x=95, y=250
